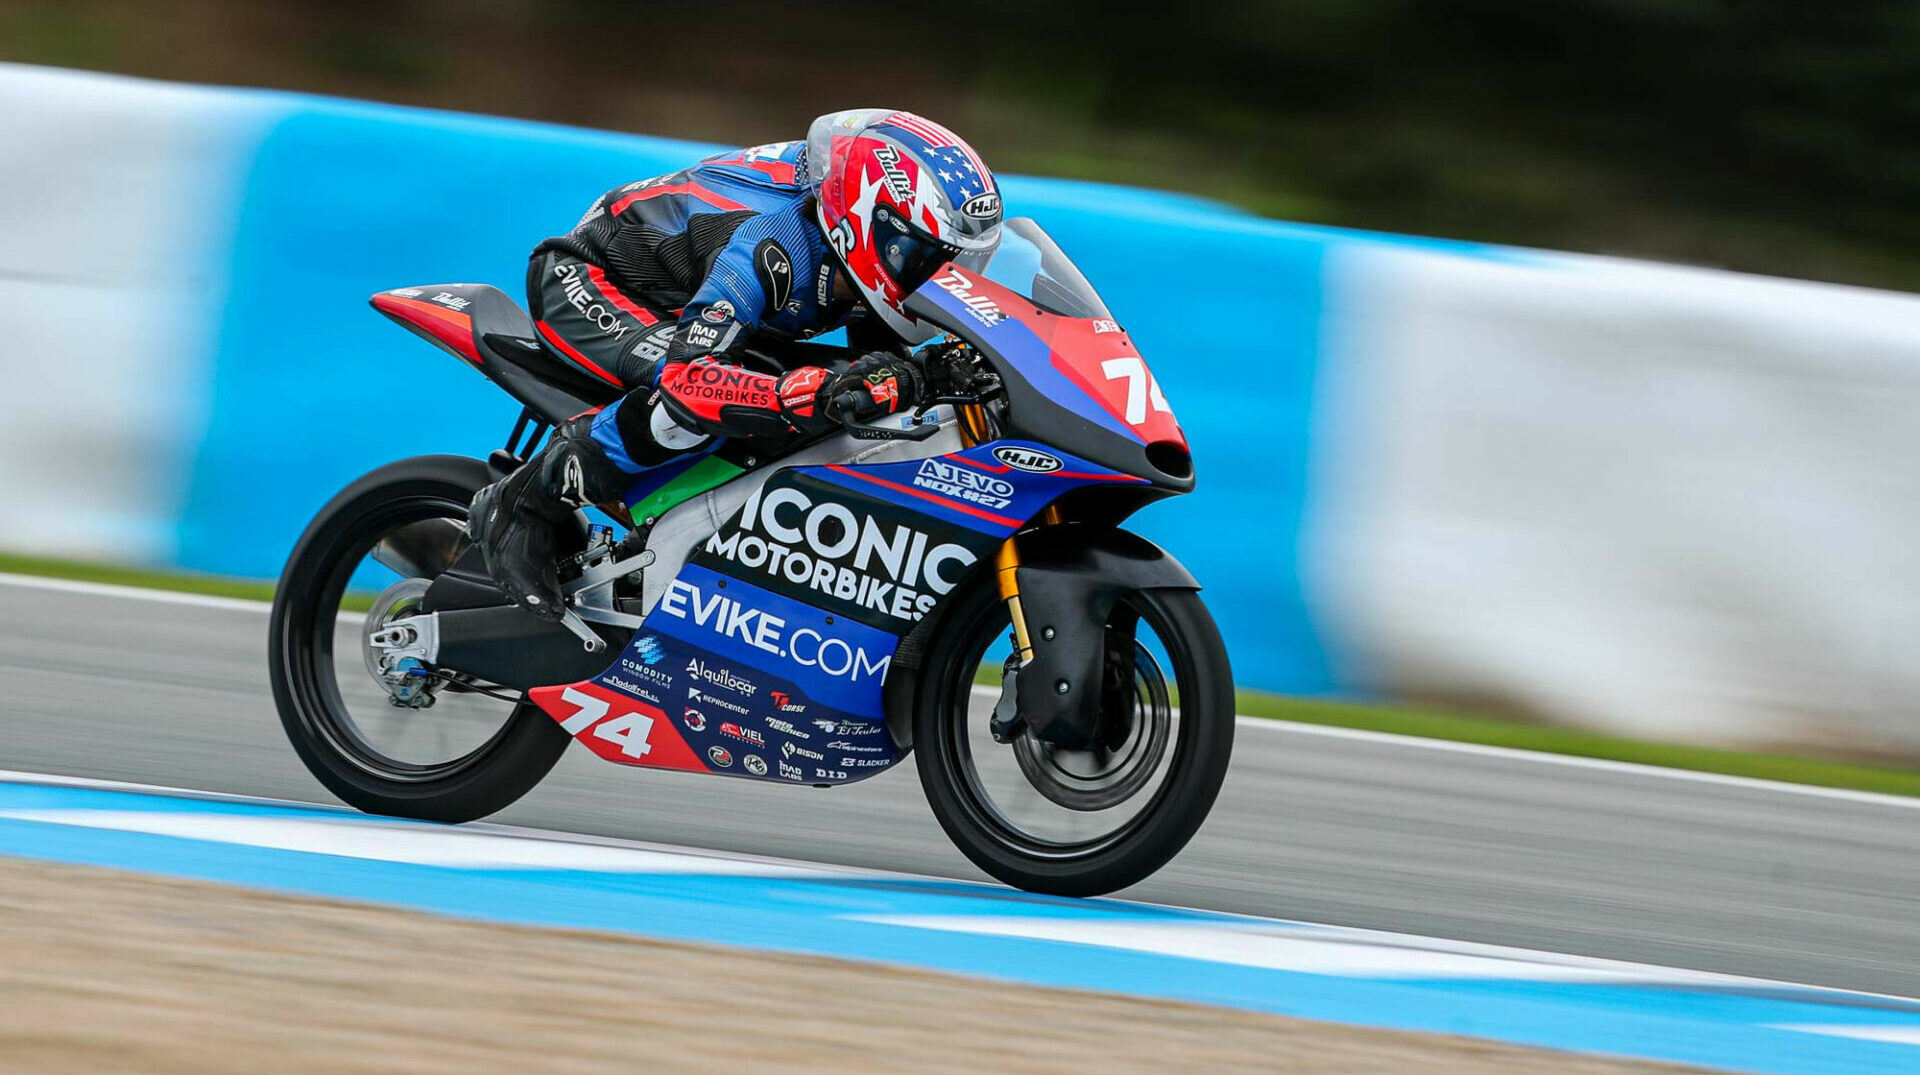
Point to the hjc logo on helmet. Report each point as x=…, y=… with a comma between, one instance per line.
x=982, y=207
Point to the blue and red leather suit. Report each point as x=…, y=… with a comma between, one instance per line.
x=692, y=290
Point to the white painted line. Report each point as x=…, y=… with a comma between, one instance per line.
x=386, y=841
x=132, y=593
x=1310, y=950
x=1264, y=724
x=490, y=828
x=1339, y=952
x=1891, y=1035
x=16, y=776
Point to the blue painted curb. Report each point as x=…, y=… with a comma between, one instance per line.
x=980, y=930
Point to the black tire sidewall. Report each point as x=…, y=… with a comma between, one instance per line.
x=1202, y=752
x=509, y=766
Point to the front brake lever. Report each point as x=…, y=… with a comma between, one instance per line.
x=860, y=432
x=938, y=400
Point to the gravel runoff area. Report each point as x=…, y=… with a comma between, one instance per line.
x=102, y=970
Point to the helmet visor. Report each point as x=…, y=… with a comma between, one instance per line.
x=909, y=254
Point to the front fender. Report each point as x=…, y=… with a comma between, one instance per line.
x=1069, y=578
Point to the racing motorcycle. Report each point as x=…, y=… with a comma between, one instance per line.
x=951, y=583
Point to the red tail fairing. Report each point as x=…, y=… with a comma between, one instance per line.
x=438, y=322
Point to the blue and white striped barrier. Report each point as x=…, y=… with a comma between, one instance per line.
x=1266, y=965
x=1655, y=500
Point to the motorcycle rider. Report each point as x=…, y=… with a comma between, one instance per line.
x=667, y=286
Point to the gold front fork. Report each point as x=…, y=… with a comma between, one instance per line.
x=1006, y=565
x=1006, y=562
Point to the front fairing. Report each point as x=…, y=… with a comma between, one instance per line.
x=1074, y=382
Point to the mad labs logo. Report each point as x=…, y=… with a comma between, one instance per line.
x=849, y=555
x=964, y=483
x=761, y=630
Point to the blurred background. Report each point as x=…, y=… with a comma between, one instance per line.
x=1761, y=135
x=1662, y=493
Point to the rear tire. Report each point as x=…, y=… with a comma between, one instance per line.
x=1200, y=747
x=300, y=659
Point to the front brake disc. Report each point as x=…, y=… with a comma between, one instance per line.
x=1109, y=772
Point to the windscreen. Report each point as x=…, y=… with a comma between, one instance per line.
x=1029, y=262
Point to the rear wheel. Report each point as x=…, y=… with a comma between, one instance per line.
x=1080, y=822
x=385, y=731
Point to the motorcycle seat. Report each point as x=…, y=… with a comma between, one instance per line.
x=484, y=327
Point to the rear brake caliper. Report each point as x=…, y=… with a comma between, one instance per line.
x=401, y=644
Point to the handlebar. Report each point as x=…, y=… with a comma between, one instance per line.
x=950, y=369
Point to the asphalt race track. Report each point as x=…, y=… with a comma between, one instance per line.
x=1531, y=851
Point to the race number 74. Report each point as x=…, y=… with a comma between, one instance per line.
x=628, y=731
x=1142, y=388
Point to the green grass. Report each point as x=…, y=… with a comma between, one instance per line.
x=1425, y=723
x=179, y=581
x=1465, y=728
x=148, y=579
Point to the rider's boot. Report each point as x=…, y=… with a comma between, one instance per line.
x=514, y=520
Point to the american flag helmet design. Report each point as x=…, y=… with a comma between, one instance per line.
x=898, y=196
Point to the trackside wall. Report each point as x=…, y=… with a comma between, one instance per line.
x=1659, y=500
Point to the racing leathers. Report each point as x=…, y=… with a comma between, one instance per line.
x=692, y=292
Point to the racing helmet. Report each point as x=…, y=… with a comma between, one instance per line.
x=898, y=196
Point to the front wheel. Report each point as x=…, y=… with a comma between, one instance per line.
x=1080, y=822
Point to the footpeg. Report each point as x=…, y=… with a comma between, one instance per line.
x=589, y=641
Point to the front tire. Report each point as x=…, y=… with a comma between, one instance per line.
x=952, y=751
x=306, y=620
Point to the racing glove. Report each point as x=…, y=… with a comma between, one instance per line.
x=875, y=384
x=803, y=398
